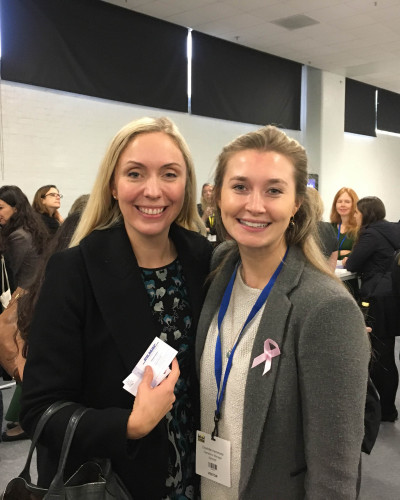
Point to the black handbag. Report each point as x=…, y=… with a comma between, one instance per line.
x=94, y=480
x=372, y=418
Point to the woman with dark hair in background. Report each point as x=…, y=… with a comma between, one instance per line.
x=343, y=220
x=23, y=234
x=24, y=238
x=372, y=257
x=61, y=241
x=47, y=202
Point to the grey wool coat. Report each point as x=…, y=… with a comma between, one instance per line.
x=303, y=421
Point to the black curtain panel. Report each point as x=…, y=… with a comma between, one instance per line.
x=388, y=111
x=236, y=83
x=93, y=48
x=360, y=112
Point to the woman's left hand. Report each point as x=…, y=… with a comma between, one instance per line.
x=152, y=404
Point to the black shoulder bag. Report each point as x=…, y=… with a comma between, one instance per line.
x=94, y=479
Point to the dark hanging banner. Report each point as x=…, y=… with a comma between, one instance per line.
x=236, y=83
x=388, y=111
x=94, y=48
x=360, y=112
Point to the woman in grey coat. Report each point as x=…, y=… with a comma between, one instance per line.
x=282, y=349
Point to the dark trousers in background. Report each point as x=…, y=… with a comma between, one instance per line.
x=384, y=373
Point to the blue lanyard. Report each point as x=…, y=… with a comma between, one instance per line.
x=218, y=350
x=338, y=237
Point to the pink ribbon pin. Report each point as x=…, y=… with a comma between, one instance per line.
x=267, y=355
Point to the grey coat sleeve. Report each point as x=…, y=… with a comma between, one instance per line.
x=22, y=258
x=333, y=356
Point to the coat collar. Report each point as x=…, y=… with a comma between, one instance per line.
x=118, y=288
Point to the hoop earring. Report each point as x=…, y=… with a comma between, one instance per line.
x=292, y=223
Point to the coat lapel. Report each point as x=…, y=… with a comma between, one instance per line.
x=259, y=387
x=119, y=292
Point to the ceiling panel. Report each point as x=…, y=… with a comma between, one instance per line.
x=355, y=38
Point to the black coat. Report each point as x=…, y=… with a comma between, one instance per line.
x=372, y=257
x=92, y=325
x=52, y=224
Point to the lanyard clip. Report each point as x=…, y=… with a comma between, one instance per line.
x=217, y=417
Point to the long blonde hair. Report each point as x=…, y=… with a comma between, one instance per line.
x=102, y=210
x=269, y=138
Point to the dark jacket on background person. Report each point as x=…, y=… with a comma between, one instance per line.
x=21, y=257
x=91, y=326
x=396, y=276
x=51, y=223
x=372, y=257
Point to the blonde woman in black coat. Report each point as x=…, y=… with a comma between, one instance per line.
x=134, y=272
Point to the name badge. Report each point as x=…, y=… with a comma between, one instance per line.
x=213, y=458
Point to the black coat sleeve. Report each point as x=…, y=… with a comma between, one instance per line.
x=57, y=362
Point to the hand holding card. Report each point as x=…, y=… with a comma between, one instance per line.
x=159, y=356
x=153, y=383
x=152, y=404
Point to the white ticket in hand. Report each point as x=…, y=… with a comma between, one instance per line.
x=159, y=356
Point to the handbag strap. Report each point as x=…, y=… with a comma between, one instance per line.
x=4, y=275
x=51, y=410
x=56, y=490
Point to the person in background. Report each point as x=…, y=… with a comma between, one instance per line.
x=343, y=220
x=134, y=272
x=206, y=211
x=281, y=345
x=47, y=202
x=79, y=204
x=205, y=207
x=24, y=238
x=61, y=241
x=396, y=276
x=372, y=257
x=326, y=235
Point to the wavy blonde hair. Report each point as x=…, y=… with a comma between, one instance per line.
x=102, y=210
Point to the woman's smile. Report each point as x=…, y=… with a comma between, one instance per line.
x=253, y=224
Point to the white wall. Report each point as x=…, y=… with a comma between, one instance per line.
x=52, y=137
x=369, y=165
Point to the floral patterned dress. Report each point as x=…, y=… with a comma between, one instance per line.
x=169, y=303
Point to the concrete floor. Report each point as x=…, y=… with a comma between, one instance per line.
x=380, y=476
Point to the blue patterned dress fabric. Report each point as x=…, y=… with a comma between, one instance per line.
x=169, y=303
